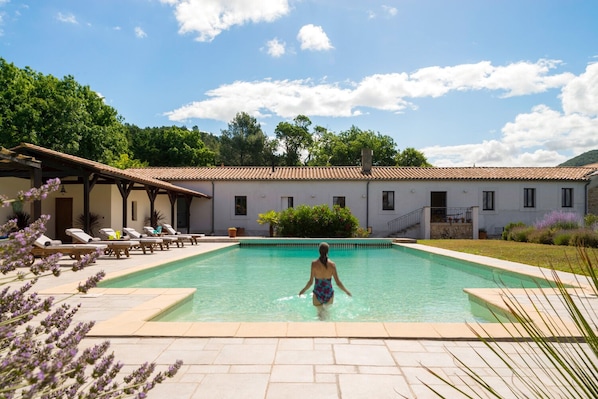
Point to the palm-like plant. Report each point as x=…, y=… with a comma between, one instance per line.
x=547, y=358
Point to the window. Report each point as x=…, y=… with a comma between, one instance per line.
x=487, y=200
x=529, y=197
x=388, y=200
x=567, y=198
x=133, y=210
x=286, y=202
x=340, y=201
x=240, y=205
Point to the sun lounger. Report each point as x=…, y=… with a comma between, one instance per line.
x=150, y=231
x=143, y=238
x=44, y=247
x=109, y=234
x=170, y=232
x=144, y=243
x=193, y=237
x=116, y=247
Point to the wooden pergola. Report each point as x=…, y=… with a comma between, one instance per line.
x=38, y=164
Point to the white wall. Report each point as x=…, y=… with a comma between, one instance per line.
x=409, y=196
x=365, y=201
x=9, y=187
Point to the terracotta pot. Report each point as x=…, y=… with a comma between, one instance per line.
x=232, y=232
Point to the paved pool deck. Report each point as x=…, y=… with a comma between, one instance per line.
x=282, y=360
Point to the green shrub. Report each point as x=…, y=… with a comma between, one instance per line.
x=317, y=221
x=562, y=237
x=584, y=238
x=361, y=233
x=591, y=221
x=541, y=236
x=520, y=233
x=507, y=230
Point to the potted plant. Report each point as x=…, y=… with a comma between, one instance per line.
x=270, y=217
x=232, y=232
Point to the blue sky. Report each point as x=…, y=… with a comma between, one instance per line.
x=468, y=82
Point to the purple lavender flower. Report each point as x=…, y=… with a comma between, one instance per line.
x=39, y=356
x=559, y=220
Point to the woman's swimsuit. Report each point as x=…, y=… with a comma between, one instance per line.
x=323, y=290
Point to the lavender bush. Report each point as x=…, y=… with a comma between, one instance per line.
x=559, y=220
x=39, y=354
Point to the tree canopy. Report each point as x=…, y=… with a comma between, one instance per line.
x=59, y=114
x=169, y=146
x=243, y=143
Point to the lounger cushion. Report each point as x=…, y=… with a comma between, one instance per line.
x=44, y=241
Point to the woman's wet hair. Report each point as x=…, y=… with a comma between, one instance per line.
x=324, y=247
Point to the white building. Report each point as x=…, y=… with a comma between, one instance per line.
x=415, y=202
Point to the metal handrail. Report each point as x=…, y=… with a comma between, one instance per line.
x=450, y=215
x=405, y=221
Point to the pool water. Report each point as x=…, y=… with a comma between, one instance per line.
x=261, y=283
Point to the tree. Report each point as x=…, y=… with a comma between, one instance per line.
x=345, y=148
x=169, y=146
x=295, y=138
x=411, y=157
x=59, y=114
x=126, y=162
x=243, y=143
x=324, y=146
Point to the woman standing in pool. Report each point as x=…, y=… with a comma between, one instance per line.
x=322, y=271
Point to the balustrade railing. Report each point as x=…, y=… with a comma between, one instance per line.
x=450, y=215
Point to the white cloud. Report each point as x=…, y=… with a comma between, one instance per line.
x=538, y=137
x=391, y=11
x=581, y=94
x=389, y=92
x=208, y=18
x=314, y=38
x=67, y=18
x=140, y=33
x=276, y=48
x=387, y=10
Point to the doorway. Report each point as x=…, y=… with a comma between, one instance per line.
x=438, y=206
x=64, y=218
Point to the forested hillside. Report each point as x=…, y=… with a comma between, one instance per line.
x=586, y=158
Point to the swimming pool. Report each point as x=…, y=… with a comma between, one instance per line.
x=260, y=283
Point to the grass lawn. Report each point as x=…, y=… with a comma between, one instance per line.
x=560, y=257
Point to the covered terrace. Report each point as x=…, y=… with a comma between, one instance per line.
x=38, y=164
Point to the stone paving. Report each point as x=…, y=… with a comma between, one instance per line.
x=274, y=367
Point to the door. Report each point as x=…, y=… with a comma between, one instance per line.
x=64, y=218
x=438, y=206
x=181, y=213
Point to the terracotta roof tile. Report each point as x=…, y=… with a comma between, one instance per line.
x=354, y=173
x=100, y=168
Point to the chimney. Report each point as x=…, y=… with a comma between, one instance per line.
x=366, y=160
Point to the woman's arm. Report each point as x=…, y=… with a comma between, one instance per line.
x=310, y=282
x=338, y=281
